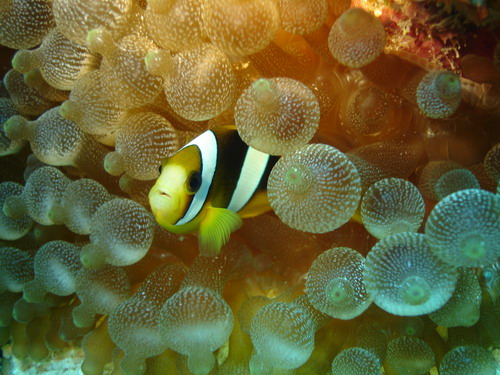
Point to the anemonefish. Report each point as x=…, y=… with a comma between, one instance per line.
x=209, y=185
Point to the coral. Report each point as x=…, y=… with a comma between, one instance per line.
x=56, y=264
x=283, y=337
x=371, y=336
x=276, y=116
x=41, y=197
x=81, y=200
x=138, y=334
x=466, y=360
x=370, y=112
x=411, y=326
x=381, y=117
x=214, y=88
x=405, y=278
x=439, y=94
x=100, y=292
x=410, y=356
x=90, y=107
x=60, y=61
x=302, y=17
x=76, y=18
x=492, y=163
x=17, y=269
x=455, y=180
x=26, y=100
x=379, y=160
x=25, y=23
x=335, y=284
x=171, y=32
x=392, y=206
x=238, y=28
x=7, y=145
x=196, y=320
x=356, y=361
x=471, y=240
x=463, y=308
x=144, y=140
x=120, y=234
x=356, y=38
x=12, y=229
x=430, y=175
x=57, y=141
x=315, y=189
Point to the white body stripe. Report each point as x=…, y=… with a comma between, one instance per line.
x=207, y=144
x=252, y=171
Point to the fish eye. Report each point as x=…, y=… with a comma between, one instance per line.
x=194, y=182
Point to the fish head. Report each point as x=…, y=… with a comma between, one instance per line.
x=180, y=178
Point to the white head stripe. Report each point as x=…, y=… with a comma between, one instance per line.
x=207, y=144
x=252, y=171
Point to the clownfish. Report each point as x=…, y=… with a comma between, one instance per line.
x=209, y=185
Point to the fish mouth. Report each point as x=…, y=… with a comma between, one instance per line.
x=162, y=193
x=169, y=199
x=163, y=199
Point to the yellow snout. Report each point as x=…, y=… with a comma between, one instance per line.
x=167, y=197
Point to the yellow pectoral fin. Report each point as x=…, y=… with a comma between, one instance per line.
x=216, y=228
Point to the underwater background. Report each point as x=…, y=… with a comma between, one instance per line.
x=380, y=251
